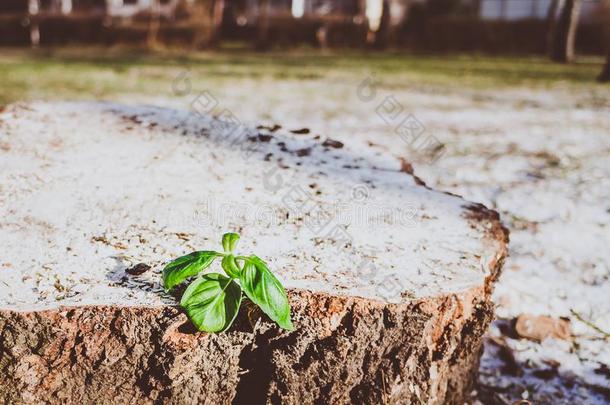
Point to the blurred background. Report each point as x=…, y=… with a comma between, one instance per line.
x=512, y=94
x=557, y=27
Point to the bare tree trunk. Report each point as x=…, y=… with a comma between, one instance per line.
x=153, y=26
x=565, y=32
x=262, y=40
x=382, y=34
x=361, y=16
x=218, y=8
x=322, y=36
x=200, y=15
x=34, y=11
x=551, y=23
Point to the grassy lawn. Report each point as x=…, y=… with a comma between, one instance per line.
x=94, y=73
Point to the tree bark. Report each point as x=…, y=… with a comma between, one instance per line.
x=565, y=32
x=425, y=351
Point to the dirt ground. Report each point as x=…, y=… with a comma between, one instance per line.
x=538, y=153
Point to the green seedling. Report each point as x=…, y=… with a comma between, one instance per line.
x=212, y=300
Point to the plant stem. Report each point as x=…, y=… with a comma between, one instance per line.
x=590, y=324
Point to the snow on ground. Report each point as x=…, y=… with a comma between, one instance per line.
x=541, y=157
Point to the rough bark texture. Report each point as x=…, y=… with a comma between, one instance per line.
x=344, y=350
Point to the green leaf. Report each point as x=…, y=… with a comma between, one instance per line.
x=229, y=241
x=212, y=302
x=230, y=266
x=186, y=266
x=261, y=286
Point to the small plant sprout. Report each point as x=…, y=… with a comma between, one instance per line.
x=212, y=300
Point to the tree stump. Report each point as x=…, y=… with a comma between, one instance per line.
x=389, y=281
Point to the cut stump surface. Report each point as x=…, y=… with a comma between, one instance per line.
x=389, y=281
